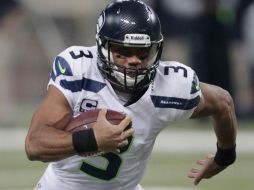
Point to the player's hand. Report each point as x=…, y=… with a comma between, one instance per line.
x=208, y=169
x=111, y=137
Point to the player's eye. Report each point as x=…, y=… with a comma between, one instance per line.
x=121, y=56
x=143, y=57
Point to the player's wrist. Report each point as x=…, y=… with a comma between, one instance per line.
x=84, y=141
x=225, y=157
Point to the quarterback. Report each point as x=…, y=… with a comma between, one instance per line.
x=122, y=72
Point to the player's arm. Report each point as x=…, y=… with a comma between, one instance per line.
x=217, y=103
x=47, y=141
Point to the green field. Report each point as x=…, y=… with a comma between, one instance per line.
x=171, y=171
x=165, y=170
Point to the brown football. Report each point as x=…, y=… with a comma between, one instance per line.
x=87, y=119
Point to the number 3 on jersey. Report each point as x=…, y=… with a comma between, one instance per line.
x=81, y=54
x=114, y=162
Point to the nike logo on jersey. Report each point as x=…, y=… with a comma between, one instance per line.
x=195, y=87
x=62, y=70
x=62, y=67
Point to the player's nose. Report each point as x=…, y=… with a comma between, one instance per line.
x=133, y=61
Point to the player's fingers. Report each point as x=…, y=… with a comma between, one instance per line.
x=200, y=175
x=201, y=162
x=123, y=143
x=193, y=173
x=116, y=151
x=102, y=114
x=194, y=170
x=197, y=180
x=125, y=134
x=128, y=133
x=210, y=156
x=124, y=123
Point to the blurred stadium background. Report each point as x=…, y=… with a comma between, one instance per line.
x=32, y=32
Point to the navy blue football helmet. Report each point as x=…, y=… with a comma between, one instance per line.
x=128, y=23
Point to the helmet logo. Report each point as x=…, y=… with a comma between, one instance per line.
x=137, y=39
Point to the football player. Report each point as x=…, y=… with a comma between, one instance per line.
x=123, y=72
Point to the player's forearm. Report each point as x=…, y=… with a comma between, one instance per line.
x=49, y=144
x=225, y=124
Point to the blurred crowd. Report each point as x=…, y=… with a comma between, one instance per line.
x=214, y=37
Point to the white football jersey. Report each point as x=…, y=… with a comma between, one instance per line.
x=172, y=96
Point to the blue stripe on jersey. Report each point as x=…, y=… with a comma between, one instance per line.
x=173, y=102
x=83, y=84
